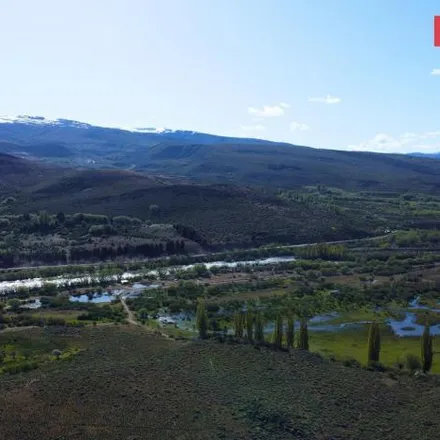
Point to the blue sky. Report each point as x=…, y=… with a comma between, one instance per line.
x=342, y=74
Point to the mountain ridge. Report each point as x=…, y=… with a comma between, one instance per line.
x=207, y=158
x=430, y=155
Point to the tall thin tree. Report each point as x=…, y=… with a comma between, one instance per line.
x=278, y=332
x=239, y=324
x=290, y=332
x=303, y=342
x=250, y=327
x=427, y=352
x=374, y=343
x=202, y=319
x=259, y=328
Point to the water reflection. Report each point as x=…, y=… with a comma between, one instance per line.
x=322, y=323
x=96, y=298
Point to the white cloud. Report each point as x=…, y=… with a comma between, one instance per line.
x=382, y=143
x=435, y=72
x=431, y=135
x=405, y=143
x=298, y=126
x=269, y=111
x=329, y=99
x=257, y=127
x=409, y=135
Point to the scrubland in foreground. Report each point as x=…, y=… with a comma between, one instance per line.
x=128, y=384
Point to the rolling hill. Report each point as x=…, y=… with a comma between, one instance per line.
x=292, y=166
x=223, y=215
x=215, y=159
x=17, y=173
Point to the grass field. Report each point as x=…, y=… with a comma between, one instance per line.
x=23, y=349
x=128, y=384
x=367, y=314
x=352, y=344
x=67, y=315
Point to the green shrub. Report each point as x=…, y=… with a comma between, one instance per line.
x=100, y=230
x=352, y=363
x=20, y=367
x=412, y=363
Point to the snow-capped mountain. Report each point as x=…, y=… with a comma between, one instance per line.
x=208, y=158
x=25, y=129
x=68, y=123
x=41, y=121
x=84, y=143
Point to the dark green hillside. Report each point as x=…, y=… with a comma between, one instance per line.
x=102, y=183
x=47, y=150
x=17, y=173
x=280, y=165
x=223, y=215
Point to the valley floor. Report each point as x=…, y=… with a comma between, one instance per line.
x=128, y=384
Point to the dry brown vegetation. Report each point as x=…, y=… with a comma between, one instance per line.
x=128, y=384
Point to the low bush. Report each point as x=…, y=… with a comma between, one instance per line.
x=413, y=363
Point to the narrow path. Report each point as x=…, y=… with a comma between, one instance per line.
x=131, y=319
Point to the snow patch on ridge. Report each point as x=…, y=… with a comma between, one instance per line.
x=40, y=120
x=67, y=123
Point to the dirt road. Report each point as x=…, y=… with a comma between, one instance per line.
x=131, y=319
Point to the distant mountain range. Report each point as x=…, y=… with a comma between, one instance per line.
x=431, y=155
x=26, y=129
x=208, y=158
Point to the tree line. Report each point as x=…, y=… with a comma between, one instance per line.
x=249, y=326
x=11, y=257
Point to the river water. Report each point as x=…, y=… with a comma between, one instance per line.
x=11, y=286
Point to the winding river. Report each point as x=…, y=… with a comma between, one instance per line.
x=11, y=286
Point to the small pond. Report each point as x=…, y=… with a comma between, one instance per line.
x=96, y=298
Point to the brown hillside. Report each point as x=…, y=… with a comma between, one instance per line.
x=129, y=385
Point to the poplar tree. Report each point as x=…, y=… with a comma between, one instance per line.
x=278, y=332
x=259, y=328
x=250, y=327
x=427, y=352
x=202, y=319
x=239, y=324
x=303, y=342
x=290, y=334
x=374, y=343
